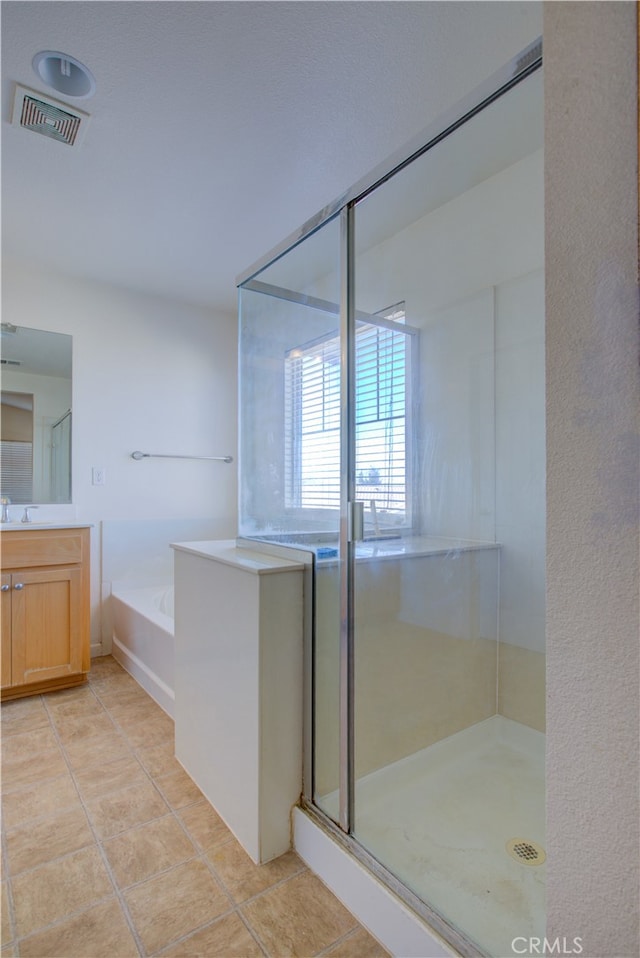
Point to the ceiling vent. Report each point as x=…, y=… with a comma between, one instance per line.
x=39, y=113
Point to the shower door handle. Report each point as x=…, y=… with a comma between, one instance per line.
x=356, y=520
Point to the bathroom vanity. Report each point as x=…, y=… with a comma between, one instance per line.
x=45, y=608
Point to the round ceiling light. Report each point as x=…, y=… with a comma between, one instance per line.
x=65, y=74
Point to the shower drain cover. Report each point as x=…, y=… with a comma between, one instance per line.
x=526, y=852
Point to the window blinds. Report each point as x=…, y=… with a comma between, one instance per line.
x=16, y=479
x=312, y=423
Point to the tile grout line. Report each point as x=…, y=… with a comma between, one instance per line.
x=198, y=855
x=16, y=939
x=339, y=941
x=62, y=748
x=171, y=811
x=208, y=924
x=9, y=889
x=98, y=843
x=200, y=852
x=236, y=907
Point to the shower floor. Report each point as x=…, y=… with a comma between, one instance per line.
x=440, y=820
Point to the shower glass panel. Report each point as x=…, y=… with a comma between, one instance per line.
x=290, y=445
x=448, y=425
x=290, y=391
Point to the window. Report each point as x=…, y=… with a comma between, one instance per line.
x=382, y=368
x=16, y=480
x=16, y=446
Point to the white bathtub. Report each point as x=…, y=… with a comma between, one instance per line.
x=143, y=638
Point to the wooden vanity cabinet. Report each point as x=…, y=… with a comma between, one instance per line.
x=45, y=610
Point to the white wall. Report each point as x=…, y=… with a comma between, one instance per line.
x=456, y=443
x=520, y=458
x=148, y=374
x=471, y=275
x=593, y=401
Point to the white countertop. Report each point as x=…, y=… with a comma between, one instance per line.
x=227, y=552
x=417, y=546
x=389, y=547
x=260, y=560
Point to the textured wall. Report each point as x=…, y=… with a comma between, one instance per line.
x=592, y=448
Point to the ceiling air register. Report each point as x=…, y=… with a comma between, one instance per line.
x=39, y=113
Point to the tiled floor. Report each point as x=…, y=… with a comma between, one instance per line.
x=109, y=849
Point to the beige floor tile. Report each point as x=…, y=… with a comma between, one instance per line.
x=5, y=916
x=60, y=699
x=23, y=715
x=35, y=742
x=98, y=780
x=98, y=750
x=74, y=730
x=139, y=709
x=116, y=694
x=103, y=666
x=29, y=767
x=120, y=810
x=55, y=890
x=358, y=945
x=119, y=678
x=242, y=878
x=171, y=905
x=205, y=826
x=300, y=917
x=42, y=841
x=38, y=800
x=151, y=731
x=159, y=759
x=178, y=789
x=227, y=937
x=135, y=708
x=9, y=951
x=178, y=906
x=88, y=708
x=101, y=932
x=100, y=678
x=141, y=852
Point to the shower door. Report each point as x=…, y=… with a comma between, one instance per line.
x=446, y=577
x=392, y=426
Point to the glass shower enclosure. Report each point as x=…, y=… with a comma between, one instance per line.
x=392, y=425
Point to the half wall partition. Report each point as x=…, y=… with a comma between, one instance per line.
x=392, y=424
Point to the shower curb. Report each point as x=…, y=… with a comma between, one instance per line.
x=394, y=925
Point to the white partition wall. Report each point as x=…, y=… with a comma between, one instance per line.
x=238, y=712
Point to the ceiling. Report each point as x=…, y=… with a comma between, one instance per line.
x=218, y=128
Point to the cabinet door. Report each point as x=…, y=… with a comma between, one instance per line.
x=6, y=630
x=46, y=624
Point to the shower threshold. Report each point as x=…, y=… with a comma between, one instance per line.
x=440, y=820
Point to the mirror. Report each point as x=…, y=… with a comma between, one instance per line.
x=35, y=426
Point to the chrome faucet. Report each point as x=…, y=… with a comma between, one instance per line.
x=27, y=517
x=5, y=502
